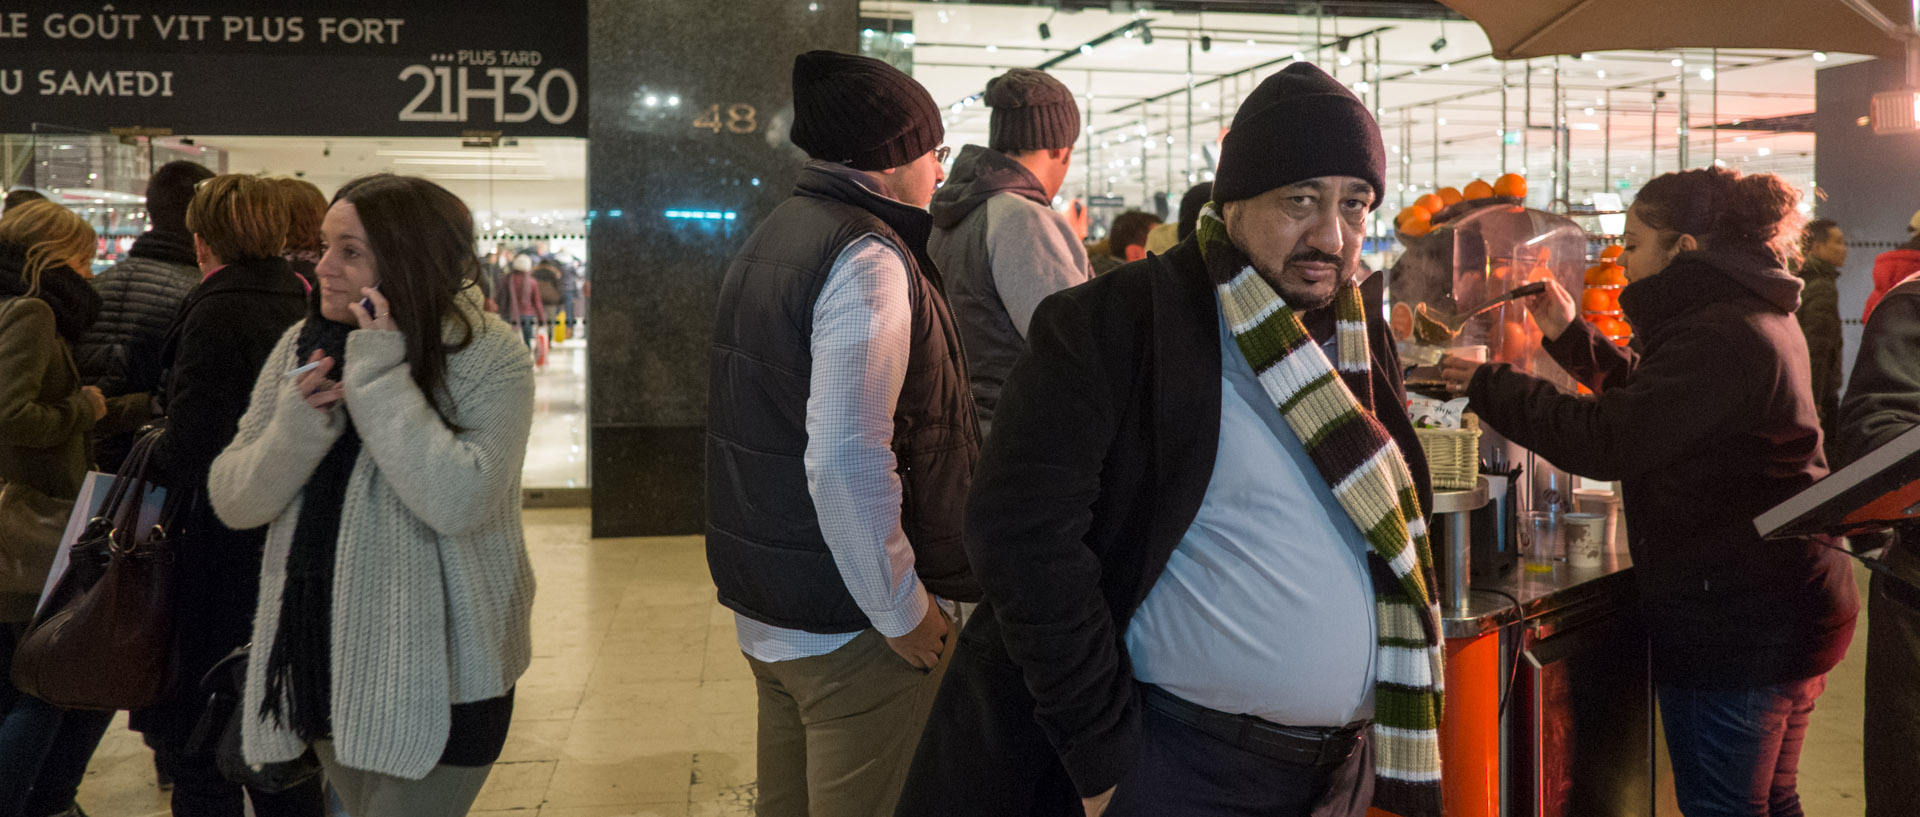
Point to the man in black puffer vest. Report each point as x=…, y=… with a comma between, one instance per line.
x=841, y=442
x=138, y=300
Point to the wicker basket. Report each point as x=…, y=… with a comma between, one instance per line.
x=1453, y=455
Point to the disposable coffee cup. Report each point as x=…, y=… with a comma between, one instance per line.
x=1585, y=535
x=1476, y=353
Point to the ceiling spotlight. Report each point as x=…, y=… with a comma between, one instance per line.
x=1146, y=35
x=1819, y=56
x=1439, y=44
x=1206, y=43
x=1046, y=31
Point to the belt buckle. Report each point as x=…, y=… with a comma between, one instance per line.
x=1331, y=752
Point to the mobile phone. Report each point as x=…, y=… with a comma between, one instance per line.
x=367, y=303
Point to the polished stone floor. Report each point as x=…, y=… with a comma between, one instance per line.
x=639, y=704
x=557, y=448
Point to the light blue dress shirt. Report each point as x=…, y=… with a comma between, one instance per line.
x=1266, y=606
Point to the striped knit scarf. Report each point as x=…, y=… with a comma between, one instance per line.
x=1357, y=457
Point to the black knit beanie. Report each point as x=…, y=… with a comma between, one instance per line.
x=861, y=112
x=169, y=190
x=1299, y=124
x=1031, y=111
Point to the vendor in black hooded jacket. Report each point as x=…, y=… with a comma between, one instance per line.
x=1709, y=425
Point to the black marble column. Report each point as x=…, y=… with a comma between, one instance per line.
x=691, y=102
x=1871, y=181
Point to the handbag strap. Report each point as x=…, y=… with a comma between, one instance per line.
x=123, y=503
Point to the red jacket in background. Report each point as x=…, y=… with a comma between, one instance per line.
x=1889, y=269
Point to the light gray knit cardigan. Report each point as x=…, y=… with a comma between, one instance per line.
x=433, y=593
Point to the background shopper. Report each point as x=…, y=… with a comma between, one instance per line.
x=213, y=354
x=45, y=419
x=1709, y=427
x=998, y=242
x=306, y=208
x=389, y=479
x=1824, y=248
x=139, y=298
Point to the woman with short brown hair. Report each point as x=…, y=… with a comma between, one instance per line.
x=216, y=348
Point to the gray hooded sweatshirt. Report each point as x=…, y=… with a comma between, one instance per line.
x=1002, y=249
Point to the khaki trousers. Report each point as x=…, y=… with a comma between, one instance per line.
x=838, y=731
x=447, y=791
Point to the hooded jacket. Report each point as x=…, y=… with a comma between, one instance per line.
x=1002, y=249
x=1889, y=269
x=1708, y=427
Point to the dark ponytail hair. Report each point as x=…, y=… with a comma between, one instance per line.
x=422, y=241
x=1721, y=208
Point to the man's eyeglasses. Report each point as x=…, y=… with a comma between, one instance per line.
x=941, y=153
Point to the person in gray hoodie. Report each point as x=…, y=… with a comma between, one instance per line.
x=996, y=237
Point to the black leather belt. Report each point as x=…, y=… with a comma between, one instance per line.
x=1311, y=746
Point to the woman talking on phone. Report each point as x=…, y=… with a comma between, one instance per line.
x=395, y=595
x=1711, y=424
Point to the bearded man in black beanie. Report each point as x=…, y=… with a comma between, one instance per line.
x=840, y=444
x=1198, y=521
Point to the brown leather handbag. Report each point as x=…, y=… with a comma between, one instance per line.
x=104, y=636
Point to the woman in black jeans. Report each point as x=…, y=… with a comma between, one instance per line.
x=1709, y=425
x=212, y=355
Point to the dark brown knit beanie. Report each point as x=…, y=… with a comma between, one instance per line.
x=861, y=112
x=1299, y=124
x=1031, y=111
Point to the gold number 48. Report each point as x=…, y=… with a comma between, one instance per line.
x=740, y=118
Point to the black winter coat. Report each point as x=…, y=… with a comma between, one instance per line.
x=213, y=354
x=140, y=297
x=1707, y=428
x=1883, y=395
x=1101, y=454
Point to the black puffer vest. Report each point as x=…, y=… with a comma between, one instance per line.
x=764, y=544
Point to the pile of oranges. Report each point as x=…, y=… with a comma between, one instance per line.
x=1600, y=302
x=1417, y=219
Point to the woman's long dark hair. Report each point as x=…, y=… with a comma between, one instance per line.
x=1720, y=207
x=422, y=241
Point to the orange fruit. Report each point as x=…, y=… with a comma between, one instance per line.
x=1623, y=339
x=1449, y=195
x=1594, y=275
x=1514, y=341
x=1615, y=276
x=1418, y=221
x=1408, y=212
x=1612, y=252
x=1612, y=327
x=1512, y=184
x=1599, y=300
x=1433, y=203
x=1477, y=189
x=1401, y=321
